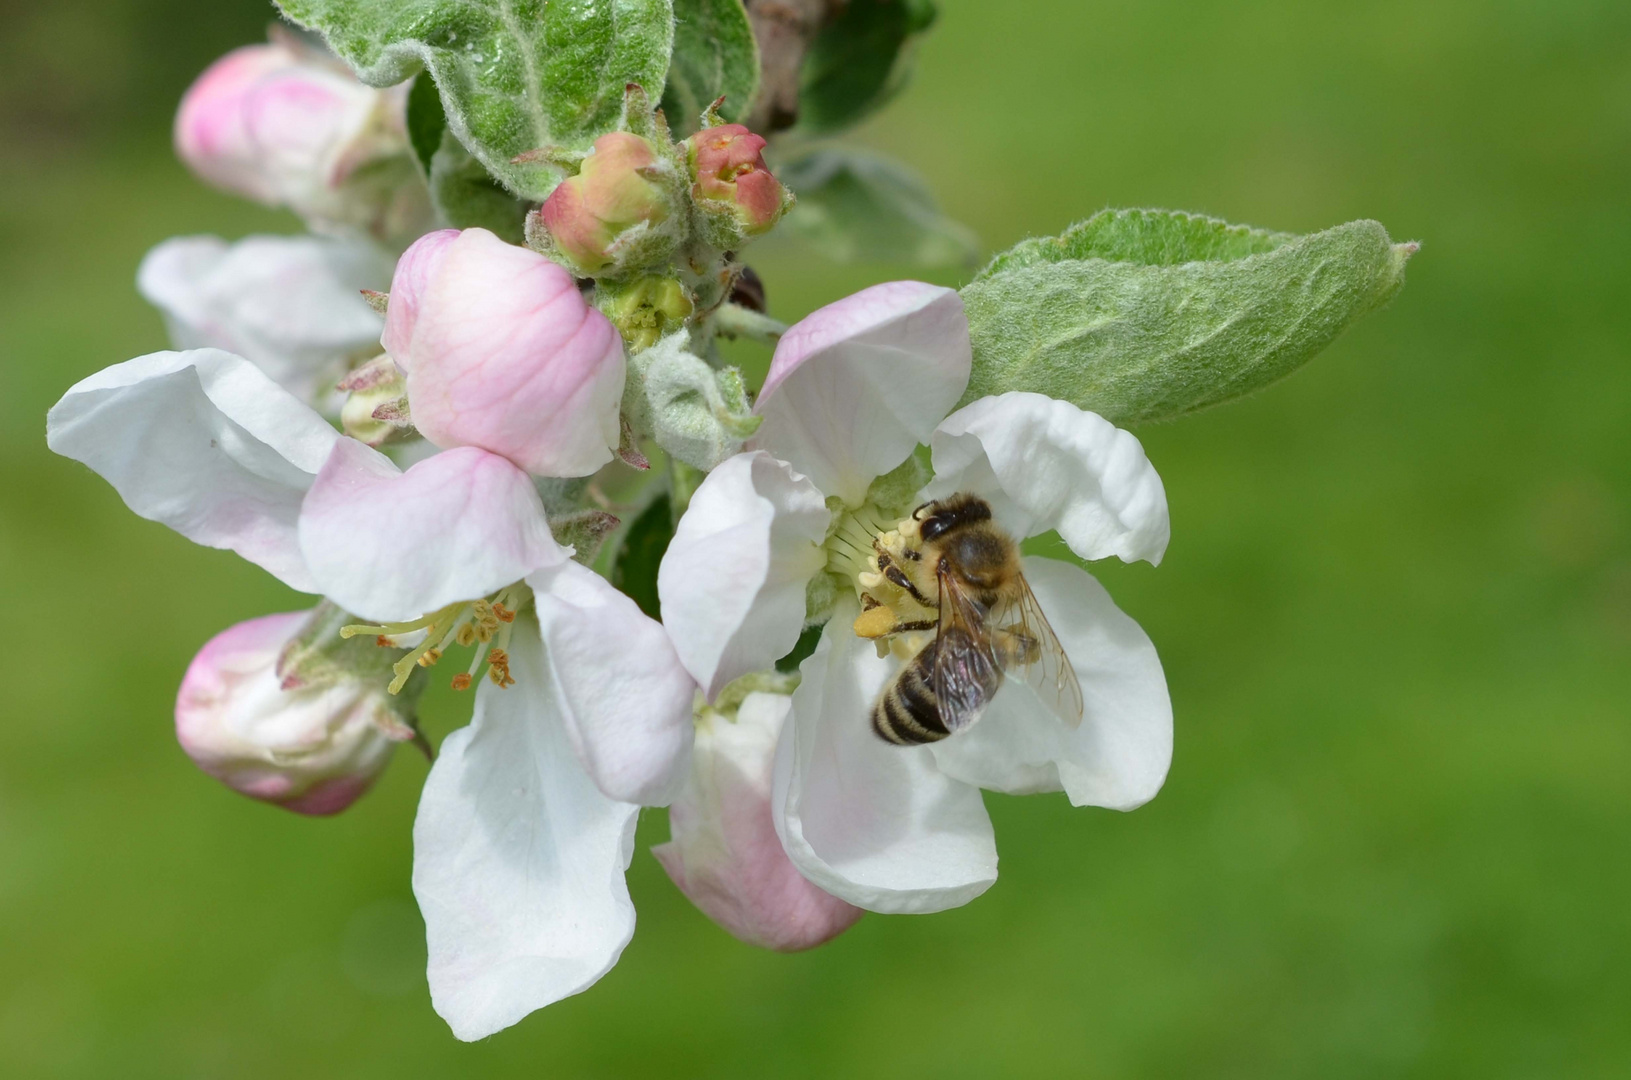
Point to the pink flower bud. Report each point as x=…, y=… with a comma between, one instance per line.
x=589, y=214
x=728, y=169
x=313, y=750
x=725, y=854
x=288, y=126
x=502, y=352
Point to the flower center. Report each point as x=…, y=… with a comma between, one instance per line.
x=484, y=624
x=882, y=558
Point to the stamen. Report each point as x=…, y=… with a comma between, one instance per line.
x=479, y=623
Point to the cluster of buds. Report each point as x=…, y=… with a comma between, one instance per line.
x=637, y=199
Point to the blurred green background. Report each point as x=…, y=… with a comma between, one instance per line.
x=1396, y=613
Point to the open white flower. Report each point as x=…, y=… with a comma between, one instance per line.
x=290, y=304
x=526, y=822
x=853, y=390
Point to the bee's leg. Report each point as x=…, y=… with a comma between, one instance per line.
x=898, y=577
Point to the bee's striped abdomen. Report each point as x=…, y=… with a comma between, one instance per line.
x=906, y=713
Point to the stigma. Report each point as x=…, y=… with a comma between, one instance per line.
x=484, y=624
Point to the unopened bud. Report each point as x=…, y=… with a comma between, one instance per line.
x=735, y=194
x=376, y=404
x=314, y=748
x=287, y=125
x=614, y=215
x=725, y=854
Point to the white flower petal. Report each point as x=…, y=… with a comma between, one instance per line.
x=203, y=442
x=874, y=824
x=392, y=545
x=1045, y=464
x=1119, y=755
x=855, y=386
x=290, y=305
x=518, y=859
x=732, y=581
x=626, y=699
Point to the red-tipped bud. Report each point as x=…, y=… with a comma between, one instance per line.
x=614, y=203
x=729, y=176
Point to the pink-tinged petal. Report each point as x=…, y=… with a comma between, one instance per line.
x=518, y=859
x=854, y=387
x=625, y=698
x=203, y=442
x=291, y=305
x=1045, y=464
x=267, y=122
x=414, y=272
x=503, y=352
x=872, y=823
x=211, y=135
x=725, y=854
x=391, y=545
x=313, y=751
x=733, y=579
x=1119, y=755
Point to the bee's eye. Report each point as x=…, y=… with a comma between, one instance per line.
x=933, y=527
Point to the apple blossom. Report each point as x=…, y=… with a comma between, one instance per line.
x=789, y=524
x=502, y=352
x=725, y=854
x=586, y=713
x=286, y=125
x=290, y=304
x=313, y=750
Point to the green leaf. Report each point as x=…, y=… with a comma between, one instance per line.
x=514, y=75
x=857, y=207
x=859, y=61
x=635, y=574
x=467, y=197
x=714, y=55
x=1146, y=315
x=426, y=120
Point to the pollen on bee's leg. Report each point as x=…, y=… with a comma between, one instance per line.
x=875, y=622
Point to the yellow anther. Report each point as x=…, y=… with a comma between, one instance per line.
x=870, y=580
x=430, y=657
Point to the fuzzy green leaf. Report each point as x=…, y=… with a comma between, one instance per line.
x=514, y=75
x=859, y=61
x=715, y=55
x=1147, y=315
x=855, y=206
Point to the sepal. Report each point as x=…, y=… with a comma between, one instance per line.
x=698, y=414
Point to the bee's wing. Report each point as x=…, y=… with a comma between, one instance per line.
x=966, y=672
x=1027, y=648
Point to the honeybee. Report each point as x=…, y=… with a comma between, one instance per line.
x=951, y=569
